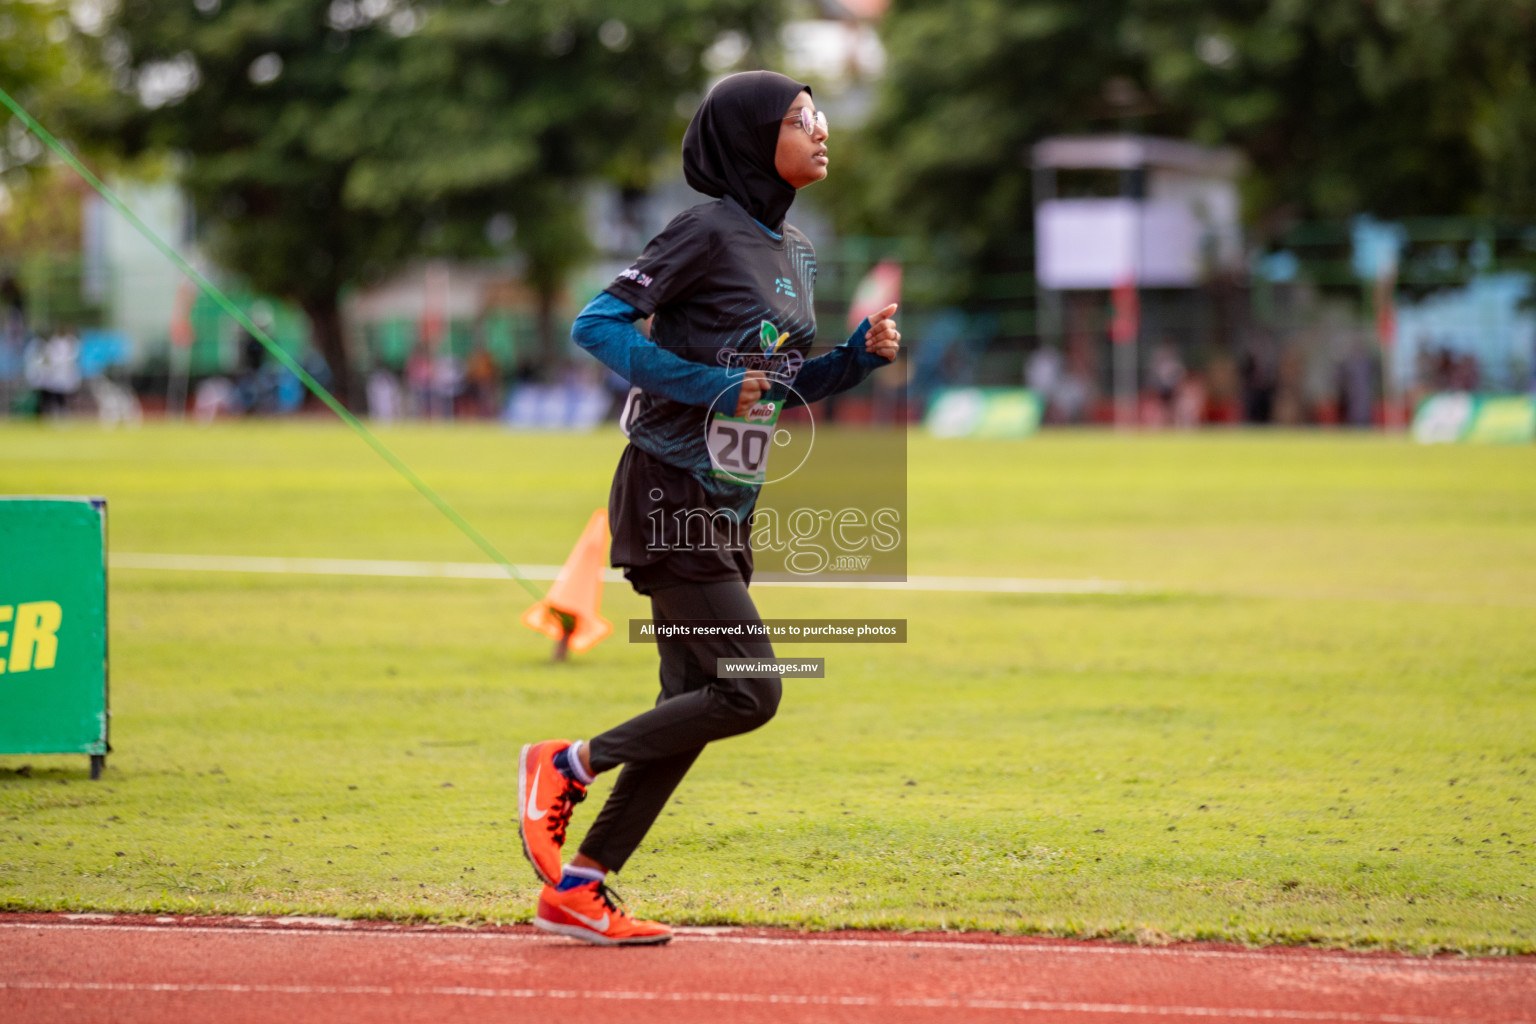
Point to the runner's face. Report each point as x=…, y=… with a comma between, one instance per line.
x=800, y=159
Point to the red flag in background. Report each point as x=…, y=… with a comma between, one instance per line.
x=182, y=334
x=1127, y=307
x=880, y=287
x=1386, y=309
x=434, y=305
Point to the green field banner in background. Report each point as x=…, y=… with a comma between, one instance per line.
x=1460, y=417
x=53, y=627
x=983, y=412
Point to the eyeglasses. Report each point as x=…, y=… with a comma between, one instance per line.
x=811, y=121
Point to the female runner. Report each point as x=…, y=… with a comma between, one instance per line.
x=729, y=284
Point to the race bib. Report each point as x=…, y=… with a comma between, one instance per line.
x=738, y=447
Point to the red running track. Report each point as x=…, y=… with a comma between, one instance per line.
x=83, y=968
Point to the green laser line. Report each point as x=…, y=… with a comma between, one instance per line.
x=224, y=303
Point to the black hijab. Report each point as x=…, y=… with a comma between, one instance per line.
x=730, y=143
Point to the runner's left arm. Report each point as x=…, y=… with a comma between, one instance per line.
x=836, y=371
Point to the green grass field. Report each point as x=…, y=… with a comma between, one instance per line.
x=1314, y=723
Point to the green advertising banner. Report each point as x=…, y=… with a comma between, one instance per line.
x=1460, y=417
x=53, y=627
x=983, y=412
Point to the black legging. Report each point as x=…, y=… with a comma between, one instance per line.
x=658, y=746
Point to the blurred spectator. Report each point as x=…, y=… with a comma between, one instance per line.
x=1288, y=389
x=385, y=402
x=53, y=371
x=13, y=305
x=252, y=352
x=1462, y=374
x=483, y=382
x=447, y=380
x=418, y=382
x=1357, y=386
x=1223, y=390
x=1042, y=374
x=1259, y=369
x=1442, y=369
x=216, y=396
x=1075, y=392
x=1189, y=402
x=1071, y=398
x=315, y=365
x=1165, y=372
x=115, y=404
x=252, y=387
x=13, y=339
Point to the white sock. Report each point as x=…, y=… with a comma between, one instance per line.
x=582, y=775
x=585, y=874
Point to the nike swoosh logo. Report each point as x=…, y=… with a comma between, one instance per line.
x=601, y=924
x=533, y=813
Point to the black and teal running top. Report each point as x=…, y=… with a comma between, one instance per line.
x=727, y=296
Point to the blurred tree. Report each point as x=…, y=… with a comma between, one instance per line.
x=35, y=53
x=1389, y=106
x=1394, y=107
x=326, y=142
x=41, y=215
x=499, y=112
x=40, y=59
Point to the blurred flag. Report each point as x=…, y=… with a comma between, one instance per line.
x=1127, y=313
x=880, y=287
x=434, y=305
x=1386, y=311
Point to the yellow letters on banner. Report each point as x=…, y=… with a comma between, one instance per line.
x=34, y=637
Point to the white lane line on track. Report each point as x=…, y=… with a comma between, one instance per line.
x=329, y=566
x=770, y=998
x=1300, y=957
x=487, y=571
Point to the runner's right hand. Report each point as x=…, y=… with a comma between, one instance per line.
x=752, y=387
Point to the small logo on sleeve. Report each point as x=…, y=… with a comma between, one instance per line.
x=631, y=274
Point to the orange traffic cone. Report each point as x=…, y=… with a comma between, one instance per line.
x=569, y=612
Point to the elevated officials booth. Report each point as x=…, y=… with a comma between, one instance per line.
x=1126, y=212
x=53, y=627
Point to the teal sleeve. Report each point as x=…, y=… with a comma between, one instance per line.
x=606, y=328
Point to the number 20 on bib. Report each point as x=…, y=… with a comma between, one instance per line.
x=739, y=447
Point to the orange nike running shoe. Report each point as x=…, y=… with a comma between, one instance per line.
x=545, y=800
x=588, y=912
